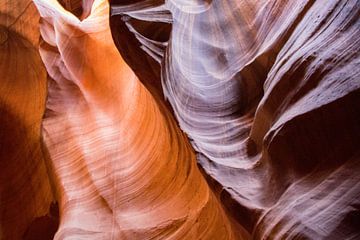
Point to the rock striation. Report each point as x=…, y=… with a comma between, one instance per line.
x=121, y=166
x=191, y=119
x=268, y=93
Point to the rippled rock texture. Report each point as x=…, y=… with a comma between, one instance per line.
x=268, y=93
x=180, y=119
x=122, y=169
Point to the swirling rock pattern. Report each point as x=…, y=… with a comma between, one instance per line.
x=122, y=167
x=268, y=92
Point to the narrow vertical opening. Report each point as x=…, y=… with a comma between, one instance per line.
x=80, y=8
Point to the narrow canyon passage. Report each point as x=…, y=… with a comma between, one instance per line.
x=179, y=119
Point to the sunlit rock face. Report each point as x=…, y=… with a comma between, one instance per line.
x=121, y=166
x=117, y=108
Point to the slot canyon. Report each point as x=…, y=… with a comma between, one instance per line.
x=179, y=119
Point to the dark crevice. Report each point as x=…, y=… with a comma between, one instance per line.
x=80, y=8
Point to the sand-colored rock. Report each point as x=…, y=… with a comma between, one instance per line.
x=91, y=116
x=122, y=167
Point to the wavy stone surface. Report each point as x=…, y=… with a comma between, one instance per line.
x=122, y=167
x=266, y=92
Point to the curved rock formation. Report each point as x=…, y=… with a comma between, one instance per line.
x=122, y=167
x=25, y=189
x=267, y=93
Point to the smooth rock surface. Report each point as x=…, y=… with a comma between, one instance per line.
x=25, y=188
x=122, y=167
x=268, y=93
x=192, y=119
